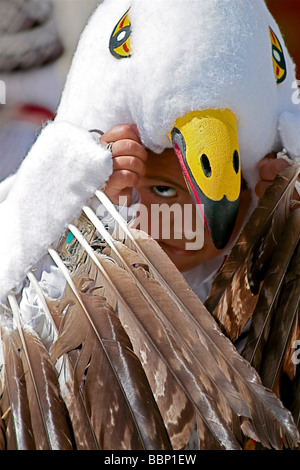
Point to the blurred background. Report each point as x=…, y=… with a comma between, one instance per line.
x=37, y=42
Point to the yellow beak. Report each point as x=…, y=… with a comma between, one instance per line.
x=206, y=144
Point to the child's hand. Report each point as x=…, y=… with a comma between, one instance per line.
x=269, y=167
x=129, y=157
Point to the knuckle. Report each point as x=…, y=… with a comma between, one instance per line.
x=132, y=147
x=125, y=131
x=124, y=147
x=133, y=163
x=126, y=176
x=124, y=128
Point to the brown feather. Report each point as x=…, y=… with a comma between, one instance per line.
x=121, y=419
x=19, y=428
x=172, y=335
x=264, y=415
x=3, y=441
x=232, y=297
x=82, y=430
x=274, y=357
x=279, y=273
x=262, y=396
x=214, y=382
x=165, y=360
x=48, y=413
x=244, y=378
x=136, y=302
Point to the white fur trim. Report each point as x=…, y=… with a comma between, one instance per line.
x=61, y=172
x=289, y=128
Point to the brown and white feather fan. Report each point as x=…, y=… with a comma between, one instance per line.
x=136, y=359
x=259, y=284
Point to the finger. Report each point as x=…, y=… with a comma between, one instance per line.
x=270, y=168
x=268, y=157
x=120, y=180
x=129, y=163
x=135, y=128
x=128, y=147
x=119, y=133
x=261, y=187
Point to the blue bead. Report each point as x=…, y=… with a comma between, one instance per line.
x=70, y=237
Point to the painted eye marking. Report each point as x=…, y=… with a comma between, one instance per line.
x=205, y=163
x=119, y=44
x=278, y=58
x=236, y=161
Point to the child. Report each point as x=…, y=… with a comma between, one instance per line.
x=158, y=180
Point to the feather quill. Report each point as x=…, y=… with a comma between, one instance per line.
x=276, y=367
x=18, y=421
x=169, y=312
x=244, y=378
x=82, y=429
x=122, y=283
x=153, y=339
x=212, y=378
x=3, y=444
x=232, y=297
x=263, y=406
x=265, y=329
x=127, y=417
x=48, y=414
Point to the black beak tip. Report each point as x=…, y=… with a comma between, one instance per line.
x=220, y=240
x=221, y=217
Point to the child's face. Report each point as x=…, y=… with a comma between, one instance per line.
x=163, y=183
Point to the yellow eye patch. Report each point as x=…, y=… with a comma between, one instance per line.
x=278, y=58
x=119, y=44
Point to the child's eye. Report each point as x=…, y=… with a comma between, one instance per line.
x=164, y=191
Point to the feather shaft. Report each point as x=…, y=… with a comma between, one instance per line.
x=169, y=312
x=260, y=233
x=15, y=388
x=48, y=415
x=266, y=305
x=237, y=371
x=82, y=429
x=201, y=399
x=125, y=375
x=280, y=338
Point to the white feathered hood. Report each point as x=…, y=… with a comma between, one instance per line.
x=186, y=55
